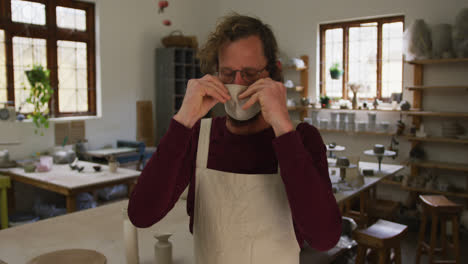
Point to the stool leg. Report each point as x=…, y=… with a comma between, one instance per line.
x=422, y=231
x=435, y=220
x=443, y=236
x=456, y=246
x=383, y=256
x=361, y=254
x=3, y=208
x=397, y=257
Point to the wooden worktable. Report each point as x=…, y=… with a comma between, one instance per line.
x=61, y=179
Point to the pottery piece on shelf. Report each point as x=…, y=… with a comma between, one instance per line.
x=417, y=41
x=460, y=34
x=441, y=35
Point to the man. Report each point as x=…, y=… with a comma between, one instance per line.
x=258, y=187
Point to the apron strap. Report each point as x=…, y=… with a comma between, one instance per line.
x=203, y=143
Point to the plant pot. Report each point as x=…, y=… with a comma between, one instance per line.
x=335, y=75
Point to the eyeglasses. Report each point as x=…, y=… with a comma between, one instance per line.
x=249, y=75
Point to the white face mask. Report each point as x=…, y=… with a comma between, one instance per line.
x=233, y=107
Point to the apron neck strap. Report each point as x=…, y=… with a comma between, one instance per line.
x=203, y=143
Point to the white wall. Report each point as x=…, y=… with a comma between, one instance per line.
x=128, y=32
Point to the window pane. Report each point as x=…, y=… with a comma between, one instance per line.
x=392, y=58
x=333, y=54
x=3, y=76
x=363, y=59
x=71, y=18
x=28, y=12
x=73, y=76
x=26, y=53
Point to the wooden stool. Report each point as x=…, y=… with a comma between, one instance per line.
x=4, y=184
x=381, y=236
x=438, y=207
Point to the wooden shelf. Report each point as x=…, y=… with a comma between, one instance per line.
x=300, y=108
x=292, y=67
x=436, y=87
x=357, y=132
x=390, y=182
x=368, y=110
x=437, y=114
x=422, y=190
x=437, y=61
x=441, y=165
x=437, y=139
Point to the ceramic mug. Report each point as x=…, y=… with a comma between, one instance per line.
x=113, y=165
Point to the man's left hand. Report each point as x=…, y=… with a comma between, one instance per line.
x=271, y=96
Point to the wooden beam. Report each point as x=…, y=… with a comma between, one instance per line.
x=379, y=60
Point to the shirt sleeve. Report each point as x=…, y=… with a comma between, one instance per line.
x=304, y=170
x=164, y=177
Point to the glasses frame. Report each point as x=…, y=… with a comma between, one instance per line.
x=242, y=73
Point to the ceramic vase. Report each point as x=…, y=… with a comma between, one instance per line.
x=163, y=249
x=130, y=239
x=355, y=102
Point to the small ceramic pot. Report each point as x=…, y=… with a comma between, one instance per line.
x=379, y=149
x=342, y=161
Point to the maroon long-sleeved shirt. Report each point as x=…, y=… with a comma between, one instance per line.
x=301, y=155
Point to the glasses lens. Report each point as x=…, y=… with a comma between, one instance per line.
x=250, y=75
x=226, y=75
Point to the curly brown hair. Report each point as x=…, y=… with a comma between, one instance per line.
x=234, y=27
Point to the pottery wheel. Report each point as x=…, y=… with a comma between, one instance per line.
x=70, y=256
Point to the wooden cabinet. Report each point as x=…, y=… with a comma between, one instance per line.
x=419, y=89
x=304, y=91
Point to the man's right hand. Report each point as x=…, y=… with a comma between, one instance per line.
x=201, y=95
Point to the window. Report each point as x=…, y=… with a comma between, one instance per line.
x=369, y=52
x=59, y=35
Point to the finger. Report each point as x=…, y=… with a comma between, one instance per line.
x=210, y=90
x=252, y=100
x=220, y=89
x=254, y=88
x=218, y=83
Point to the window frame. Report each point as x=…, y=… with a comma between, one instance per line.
x=345, y=25
x=52, y=33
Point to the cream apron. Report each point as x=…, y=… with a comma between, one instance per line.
x=240, y=218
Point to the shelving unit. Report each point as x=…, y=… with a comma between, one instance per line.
x=441, y=165
x=304, y=77
x=437, y=87
x=174, y=68
x=418, y=89
x=357, y=132
x=436, y=114
x=437, y=139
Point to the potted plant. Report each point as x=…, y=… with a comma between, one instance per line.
x=39, y=96
x=335, y=71
x=325, y=101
